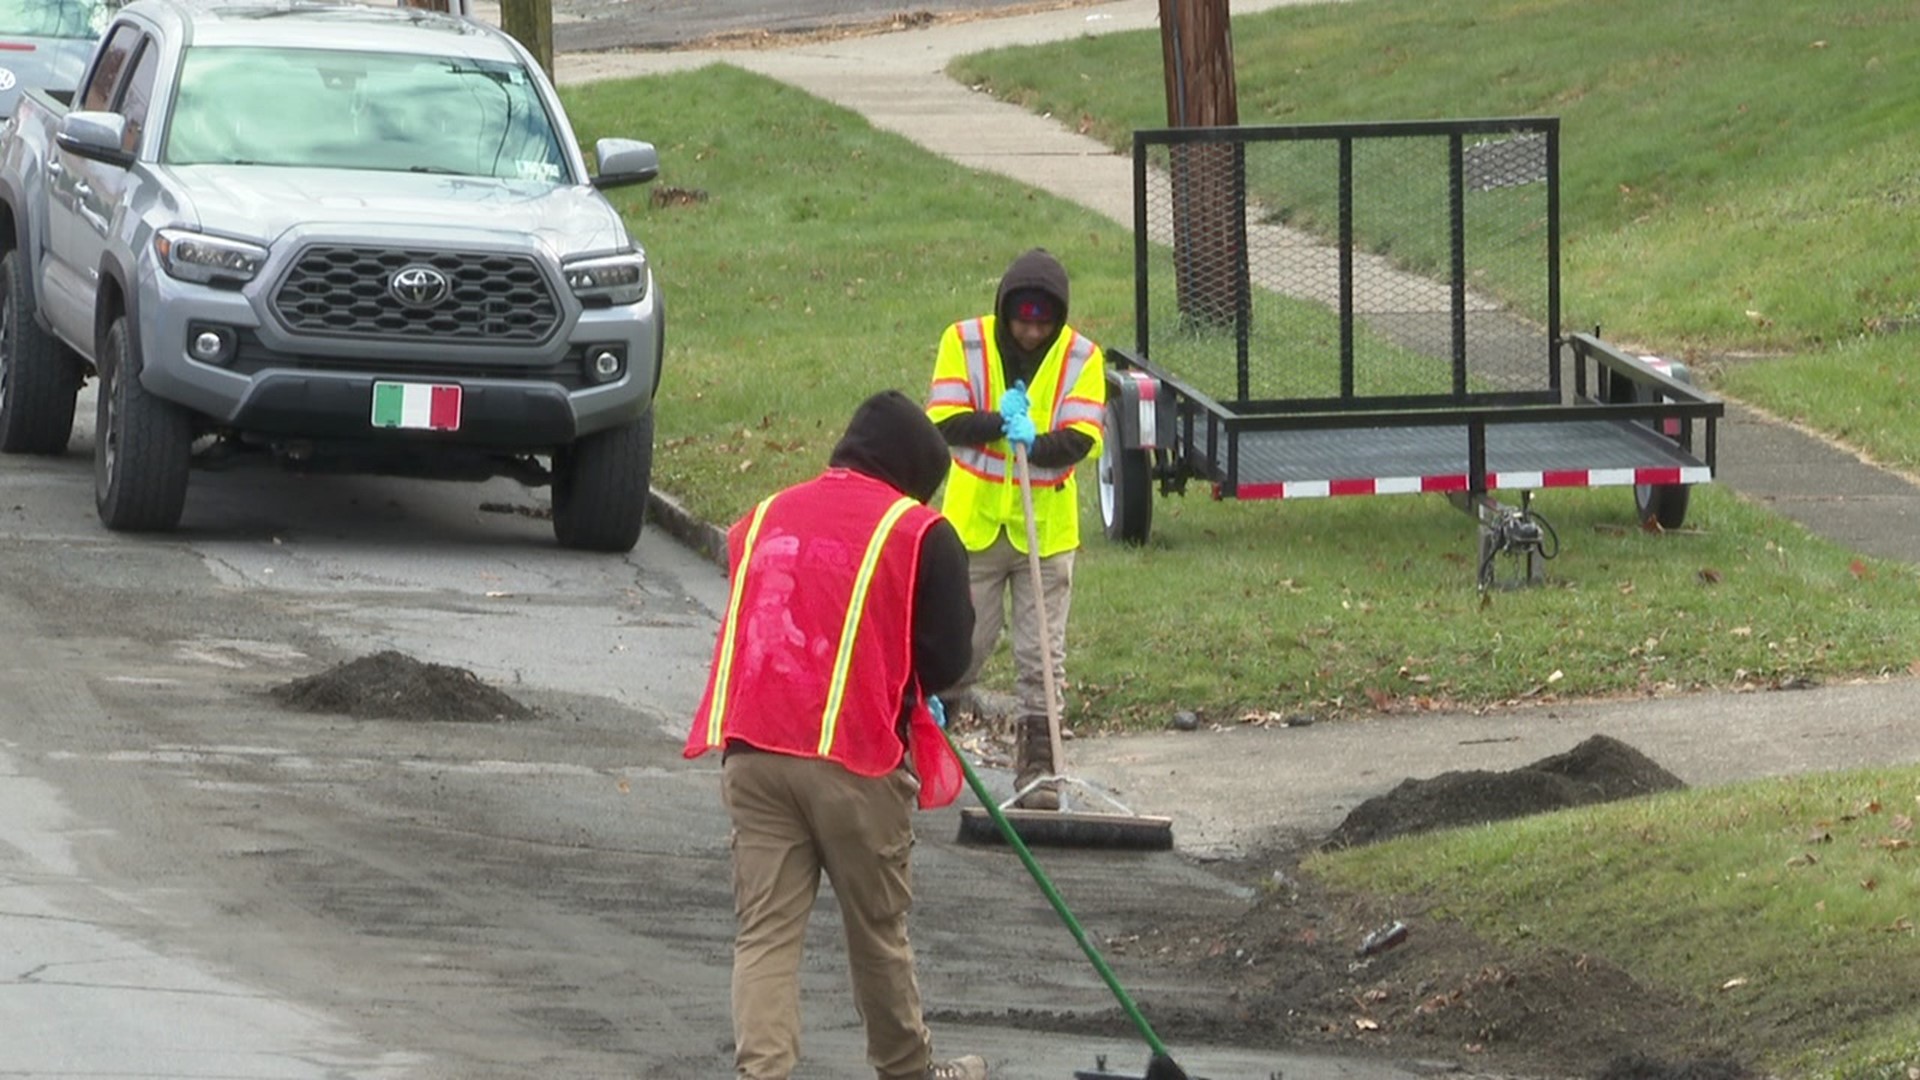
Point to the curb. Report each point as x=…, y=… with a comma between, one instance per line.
x=707, y=541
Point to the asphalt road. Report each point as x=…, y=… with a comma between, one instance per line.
x=197, y=883
x=595, y=25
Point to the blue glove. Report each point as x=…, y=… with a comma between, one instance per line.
x=938, y=710
x=1020, y=430
x=1014, y=402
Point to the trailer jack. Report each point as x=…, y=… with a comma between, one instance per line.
x=1521, y=533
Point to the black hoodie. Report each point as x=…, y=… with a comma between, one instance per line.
x=1033, y=269
x=891, y=440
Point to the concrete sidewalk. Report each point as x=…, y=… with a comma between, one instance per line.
x=1240, y=787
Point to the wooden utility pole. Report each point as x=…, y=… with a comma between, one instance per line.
x=1196, y=43
x=531, y=23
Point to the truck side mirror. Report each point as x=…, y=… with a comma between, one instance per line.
x=97, y=135
x=625, y=161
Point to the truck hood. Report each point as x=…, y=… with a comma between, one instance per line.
x=264, y=203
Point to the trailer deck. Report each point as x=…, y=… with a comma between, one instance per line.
x=1375, y=309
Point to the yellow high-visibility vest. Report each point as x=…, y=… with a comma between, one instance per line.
x=1069, y=391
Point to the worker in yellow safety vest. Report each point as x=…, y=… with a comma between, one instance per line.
x=1020, y=375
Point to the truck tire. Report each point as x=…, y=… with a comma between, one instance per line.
x=39, y=375
x=600, y=487
x=1126, y=488
x=142, y=447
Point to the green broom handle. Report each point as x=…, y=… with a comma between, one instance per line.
x=1019, y=847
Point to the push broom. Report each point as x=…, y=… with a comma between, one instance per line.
x=1118, y=827
x=1160, y=1066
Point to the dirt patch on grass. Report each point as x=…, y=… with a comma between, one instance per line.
x=1298, y=972
x=391, y=685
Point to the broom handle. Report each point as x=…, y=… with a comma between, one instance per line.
x=1019, y=846
x=1056, y=751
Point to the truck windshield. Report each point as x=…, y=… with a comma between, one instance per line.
x=319, y=108
x=79, y=19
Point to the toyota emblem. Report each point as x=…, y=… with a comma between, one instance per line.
x=419, y=286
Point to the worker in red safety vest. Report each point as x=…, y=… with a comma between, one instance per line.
x=848, y=608
x=1020, y=375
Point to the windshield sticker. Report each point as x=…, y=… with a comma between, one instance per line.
x=537, y=170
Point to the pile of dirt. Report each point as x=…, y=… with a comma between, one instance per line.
x=1295, y=972
x=1601, y=769
x=391, y=685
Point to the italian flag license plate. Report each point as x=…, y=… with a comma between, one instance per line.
x=429, y=407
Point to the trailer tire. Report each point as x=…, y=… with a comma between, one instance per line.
x=600, y=487
x=1660, y=506
x=142, y=445
x=1126, y=487
x=39, y=375
x=1664, y=505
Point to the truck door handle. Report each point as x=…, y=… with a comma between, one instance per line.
x=81, y=188
x=54, y=168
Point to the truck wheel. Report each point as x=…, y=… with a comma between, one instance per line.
x=39, y=376
x=1126, y=488
x=600, y=488
x=142, y=448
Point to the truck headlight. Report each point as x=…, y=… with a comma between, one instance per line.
x=613, y=279
x=210, y=260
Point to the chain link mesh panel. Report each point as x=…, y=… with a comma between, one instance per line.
x=1347, y=264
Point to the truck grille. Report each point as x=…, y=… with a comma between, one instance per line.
x=344, y=292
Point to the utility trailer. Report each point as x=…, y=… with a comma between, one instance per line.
x=1344, y=309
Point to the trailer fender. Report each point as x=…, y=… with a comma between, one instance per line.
x=1676, y=371
x=1140, y=409
x=1139, y=416
x=1662, y=507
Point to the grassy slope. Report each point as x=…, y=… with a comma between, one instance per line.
x=824, y=261
x=826, y=257
x=1738, y=174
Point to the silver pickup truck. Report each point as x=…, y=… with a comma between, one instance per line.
x=330, y=236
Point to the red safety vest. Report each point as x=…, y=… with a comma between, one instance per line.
x=816, y=649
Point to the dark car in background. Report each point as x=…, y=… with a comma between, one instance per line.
x=44, y=44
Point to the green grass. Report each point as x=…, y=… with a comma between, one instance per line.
x=1721, y=158
x=827, y=257
x=1734, y=171
x=1785, y=908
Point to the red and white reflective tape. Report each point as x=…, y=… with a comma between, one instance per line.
x=1504, y=481
x=1149, y=394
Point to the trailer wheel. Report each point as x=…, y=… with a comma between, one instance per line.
x=600, y=486
x=39, y=375
x=1126, y=488
x=1660, y=505
x=142, y=448
x=1664, y=505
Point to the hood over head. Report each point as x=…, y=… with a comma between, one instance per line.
x=1035, y=281
x=1035, y=270
x=891, y=439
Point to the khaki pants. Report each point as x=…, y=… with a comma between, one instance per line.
x=792, y=818
x=996, y=574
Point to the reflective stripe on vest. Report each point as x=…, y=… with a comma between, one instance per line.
x=993, y=465
x=856, y=608
x=723, y=664
x=722, y=676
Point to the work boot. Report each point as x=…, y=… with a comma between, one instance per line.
x=971, y=1067
x=1033, y=759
